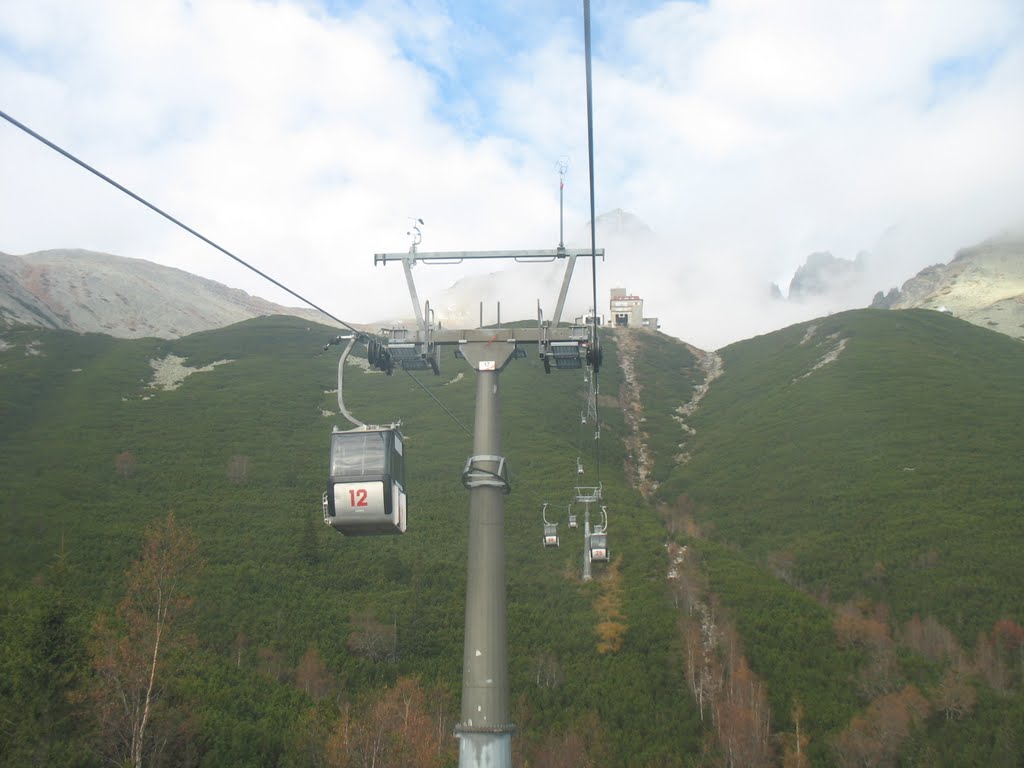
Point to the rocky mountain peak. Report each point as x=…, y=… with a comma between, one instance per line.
x=824, y=273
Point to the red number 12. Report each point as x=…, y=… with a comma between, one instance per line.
x=357, y=497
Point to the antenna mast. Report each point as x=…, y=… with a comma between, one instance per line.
x=562, y=165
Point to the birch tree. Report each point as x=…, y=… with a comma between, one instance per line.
x=131, y=647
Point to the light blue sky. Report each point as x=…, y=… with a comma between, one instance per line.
x=303, y=134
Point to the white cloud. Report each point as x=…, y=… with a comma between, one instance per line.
x=747, y=134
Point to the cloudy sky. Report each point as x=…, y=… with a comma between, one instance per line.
x=303, y=134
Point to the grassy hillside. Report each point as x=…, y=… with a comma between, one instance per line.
x=842, y=548
x=90, y=454
x=893, y=471
x=854, y=492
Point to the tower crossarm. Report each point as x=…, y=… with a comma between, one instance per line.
x=455, y=257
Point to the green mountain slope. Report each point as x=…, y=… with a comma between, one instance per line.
x=90, y=454
x=894, y=471
x=855, y=488
x=843, y=477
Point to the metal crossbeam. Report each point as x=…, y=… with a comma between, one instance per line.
x=456, y=257
x=588, y=494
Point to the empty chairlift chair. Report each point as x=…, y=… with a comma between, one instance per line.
x=366, y=487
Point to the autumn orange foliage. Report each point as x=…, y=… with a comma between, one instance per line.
x=876, y=737
x=402, y=728
x=611, y=629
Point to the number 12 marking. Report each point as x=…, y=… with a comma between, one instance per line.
x=357, y=497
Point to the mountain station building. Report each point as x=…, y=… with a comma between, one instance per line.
x=627, y=311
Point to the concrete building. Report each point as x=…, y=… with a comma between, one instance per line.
x=627, y=311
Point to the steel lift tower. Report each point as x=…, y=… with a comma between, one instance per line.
x=485, y=728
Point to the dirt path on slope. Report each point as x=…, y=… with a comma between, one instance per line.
x=638, y=458
x=713, y=367
x=639, y=461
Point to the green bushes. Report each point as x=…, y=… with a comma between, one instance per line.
x=902, y=446
x=239, y=453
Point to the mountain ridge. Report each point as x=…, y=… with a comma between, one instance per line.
x=982, y=284
x=92, y=292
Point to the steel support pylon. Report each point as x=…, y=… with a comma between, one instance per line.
x=485, y=729
x=586, y=543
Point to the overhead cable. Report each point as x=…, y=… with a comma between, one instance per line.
x=170, y=218
x=223, y=250
x=593, y=217
x=443, y=406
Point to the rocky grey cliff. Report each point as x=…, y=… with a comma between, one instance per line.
x=823, y=274
x=91, y=292
x=983, y=284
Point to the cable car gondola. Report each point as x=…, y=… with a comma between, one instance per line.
x=366, y=487
x=550, y=529
x=599, y=539
x=550, y=534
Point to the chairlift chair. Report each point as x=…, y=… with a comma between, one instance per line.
x=366, y=485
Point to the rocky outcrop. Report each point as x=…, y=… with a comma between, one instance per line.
x=983, y=285
x=823, y=274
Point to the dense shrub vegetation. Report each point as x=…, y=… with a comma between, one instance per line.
x=893, y=472
x=294, y=631
x=863, y=471
x=827, y=573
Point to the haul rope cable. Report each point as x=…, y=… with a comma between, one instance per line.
x=579, y=434
x=593, y=219
x=431, y=394
x=170, y=218
x=206, y=240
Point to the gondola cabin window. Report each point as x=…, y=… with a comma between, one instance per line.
x=358, y=455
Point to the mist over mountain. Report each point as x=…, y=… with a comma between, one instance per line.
x=85, y=291
x=519, y=288
x=982, y=284
x=712, y=302
x=824, y=275
x=89, y=292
